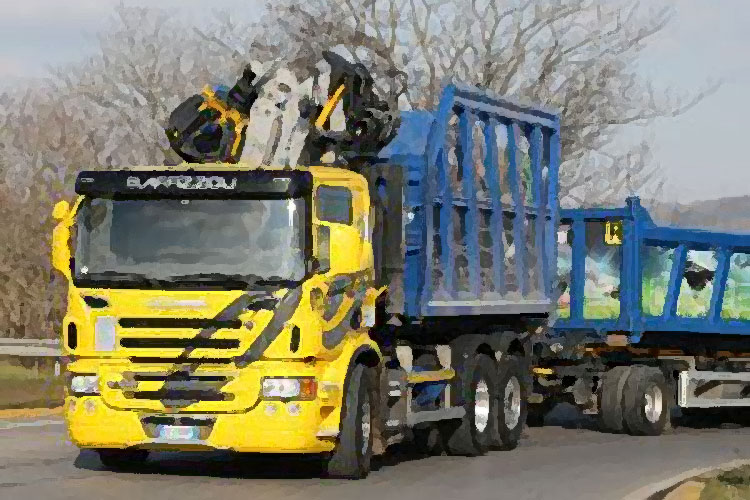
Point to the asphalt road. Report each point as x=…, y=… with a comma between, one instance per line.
x=38, y=462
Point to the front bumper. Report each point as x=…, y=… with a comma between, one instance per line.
x=270, y=427
x=245, y=423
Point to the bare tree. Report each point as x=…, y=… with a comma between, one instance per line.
x=109, y=110
x=576, y=55
x=105, y=112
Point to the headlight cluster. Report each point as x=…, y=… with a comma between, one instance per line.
x=84, y=384
x=303, y=388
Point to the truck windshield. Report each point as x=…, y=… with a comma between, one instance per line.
x=165, y=242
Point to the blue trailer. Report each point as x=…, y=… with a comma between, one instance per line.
x=464, y=216
x=648, y=318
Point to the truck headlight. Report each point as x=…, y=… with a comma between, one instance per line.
x=288, y=388
x=84, y=384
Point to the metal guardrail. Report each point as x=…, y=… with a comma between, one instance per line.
x=30, y=347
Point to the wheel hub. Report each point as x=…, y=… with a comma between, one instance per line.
x=512, y=403
x=481, y=406
x=653, y=404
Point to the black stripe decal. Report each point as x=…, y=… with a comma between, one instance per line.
x=335, y=335
x=283, y=313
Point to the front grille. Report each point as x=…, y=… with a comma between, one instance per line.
x=171, y=343
x=178, y=388
x=196, y=323
x=180, y=360
x=186, y=395
x=184, y=376
x=222, y=349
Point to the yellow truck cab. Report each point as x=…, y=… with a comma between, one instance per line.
x=197, y=313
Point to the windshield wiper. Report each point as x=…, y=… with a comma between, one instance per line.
x=238, y=281
x=118, y=277
x=243, y=280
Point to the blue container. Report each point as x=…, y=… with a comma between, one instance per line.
x=478, y=199
x=620, y=273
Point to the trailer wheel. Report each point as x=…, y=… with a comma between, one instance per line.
x=611, y=399
x=118, y=459
x=513, y=391
x=474, y=433
x=646, y=401
x=351, y=457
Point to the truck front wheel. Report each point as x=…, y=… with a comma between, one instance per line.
x=647, y=401
x=353, y=452
x=474, y=433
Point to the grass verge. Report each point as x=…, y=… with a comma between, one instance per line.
x=34, y=386
x=721, y=484
x=733, y=483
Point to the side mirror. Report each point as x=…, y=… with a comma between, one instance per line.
x=61, y=248
x=61, y=210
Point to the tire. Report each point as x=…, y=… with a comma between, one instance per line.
x=513, y=392
x=611, y=399
x=474, y=433
x=353, y=453
x=647, y=401
x=117, y=459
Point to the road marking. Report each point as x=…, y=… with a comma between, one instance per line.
x=35, y=423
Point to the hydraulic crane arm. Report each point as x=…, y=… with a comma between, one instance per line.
x=211, y=126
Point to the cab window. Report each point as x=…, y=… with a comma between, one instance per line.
x=334, y=204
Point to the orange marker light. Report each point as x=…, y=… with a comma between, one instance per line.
x=308, y=388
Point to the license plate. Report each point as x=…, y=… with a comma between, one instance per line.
x=178, y=432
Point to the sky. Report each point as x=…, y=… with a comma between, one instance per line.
x=700, y=153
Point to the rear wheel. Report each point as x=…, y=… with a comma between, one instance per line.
x=513, y=393
x=611, y=399
x=353, y=452
x=117, y=459
x=474, y=433
x=647, y=401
